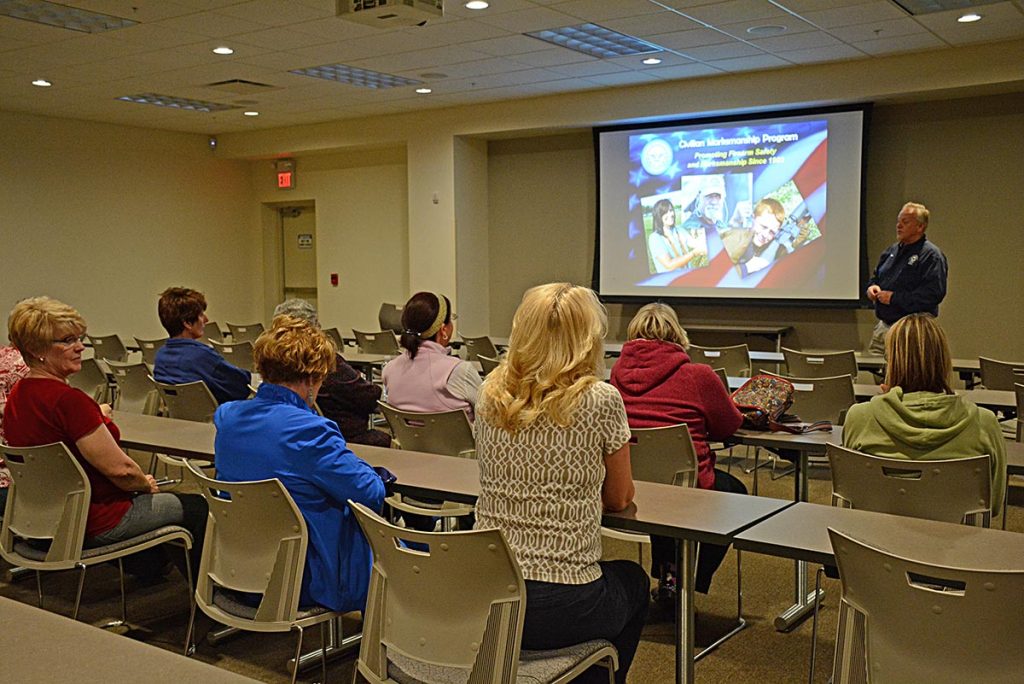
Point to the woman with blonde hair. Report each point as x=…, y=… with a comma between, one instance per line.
x=919, y=417
x=43, y=408
x=277, y=434
x=660, y=387
x=553, y=446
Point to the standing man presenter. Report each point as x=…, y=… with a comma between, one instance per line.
x=910, y=276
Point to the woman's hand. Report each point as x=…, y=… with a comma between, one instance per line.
x=106, y=410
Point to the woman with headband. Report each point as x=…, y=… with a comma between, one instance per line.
x=425, y=378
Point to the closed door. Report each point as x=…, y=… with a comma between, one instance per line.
x=298, y=240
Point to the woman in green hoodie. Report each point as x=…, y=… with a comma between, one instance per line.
x=919, y=417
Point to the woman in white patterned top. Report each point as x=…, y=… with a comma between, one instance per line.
x=553, y=445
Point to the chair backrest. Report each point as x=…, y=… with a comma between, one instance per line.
x=108, y=347
x=477, y=346
x=255, y=542
x=664, y=455
x=149, y=348
x=928, y=623
x=335, y=335
x=390, y=317
x=471, y=615
x=724, y=377
x=246, y=332
x=947, y=490
x=487, y=364
x=212, y=331
x=817, y=399
x=735, y=360
x=999, y=375
x=136, y=392
x=382, y=342
x=48, y=500
x=448, y=433
x=91, y=379
x=238, y=354
x=1018, y=388
x=189, y=401
x=820, y=365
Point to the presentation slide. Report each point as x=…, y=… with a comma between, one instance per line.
x=763, y=208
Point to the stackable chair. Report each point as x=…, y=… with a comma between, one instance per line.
x=1003, y=375
x=454, y=613
x=949, y=490
x=256, y=540
x=238, y=354
x=136, y=392
x=382, y=342
x=189, y=401
x=820, y=365
x=734, y=360
x=108, y=347
x=666, y=455
x=908, y=621
x=487, y=364
x=479, y=346
x=246, y=332
x=390, y=317
x=448, y=433
x=92, y=380
x=211, y=332
x=1018, y=388
x=149, y=348
x=335, y=335
x=49, y=502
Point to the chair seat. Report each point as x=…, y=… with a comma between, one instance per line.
x=231, y=602
x=535, y=667
x=131, y=545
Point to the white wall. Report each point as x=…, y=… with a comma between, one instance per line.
x=105, y=217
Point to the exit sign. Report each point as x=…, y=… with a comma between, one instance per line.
x=285, y=173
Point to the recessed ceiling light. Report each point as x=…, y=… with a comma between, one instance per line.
x=969, y=18
x=477, y=5
x=251, y=113
x=42, y=83
x=596, y=41
x=342, y=73
x=651, y=61
x=424, y=91
x=767, y=30
x=223, y=50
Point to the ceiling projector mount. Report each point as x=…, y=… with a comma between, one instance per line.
x=390, y=13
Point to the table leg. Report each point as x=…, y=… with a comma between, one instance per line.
x=803, y=599
x=335, y=648
x=685, y=563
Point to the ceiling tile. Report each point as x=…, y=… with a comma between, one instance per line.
x=599, y=11
x=834, y=53
x=734, y=11
x=798, y=41
x=684, y=40
x=647, y=25
x=885, y=46
x=725, y=51
x=534, y=19
x=890, y=28
x=508, y=45
x=752, y=63
x=1000, y=21
x=855, y=14
x=212, y=24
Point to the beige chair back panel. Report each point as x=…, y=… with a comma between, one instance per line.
x=238, y=354
x=477, y=346
x=91, y=380
x=817, y=399
x=924, y=623
x=149, y=348
x=734, y=360
x=335, y=335
x=487, y=363
x=108, y=347
x=189, y=401
x=945, y=490
x=665, y=455
x=820, y=365
x=999, y=375
x=245, y=332
x=212, y=332
x=448, y=433
x=389, y=316
x=136, y=392
x=382, y=342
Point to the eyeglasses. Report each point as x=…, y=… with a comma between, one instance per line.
x=70, y=340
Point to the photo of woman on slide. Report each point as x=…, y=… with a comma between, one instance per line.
x=672, y=248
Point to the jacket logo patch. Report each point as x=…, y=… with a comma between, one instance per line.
x=912, y=260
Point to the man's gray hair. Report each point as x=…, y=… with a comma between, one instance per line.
x=299, y=308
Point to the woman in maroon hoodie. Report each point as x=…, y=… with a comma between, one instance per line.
x=660, y=387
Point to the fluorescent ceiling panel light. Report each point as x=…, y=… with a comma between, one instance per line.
x=363, y=78
x=918, y=7
x=62, y=16
x=596, y=41
x=177, y=102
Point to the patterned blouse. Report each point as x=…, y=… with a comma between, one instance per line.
x=12, y=369
x=541, y=486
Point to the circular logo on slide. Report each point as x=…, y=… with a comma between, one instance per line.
x=656, y=157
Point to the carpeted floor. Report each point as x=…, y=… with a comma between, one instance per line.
x=758, y=654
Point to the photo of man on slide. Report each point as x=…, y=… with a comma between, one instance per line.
x=670, y=247
x=755, y=248
x=708, y=205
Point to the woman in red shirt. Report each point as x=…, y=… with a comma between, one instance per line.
x=42, y=409
x=660, y=387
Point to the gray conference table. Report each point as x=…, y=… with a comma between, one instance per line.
x=687, y=515
x=43, y=646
